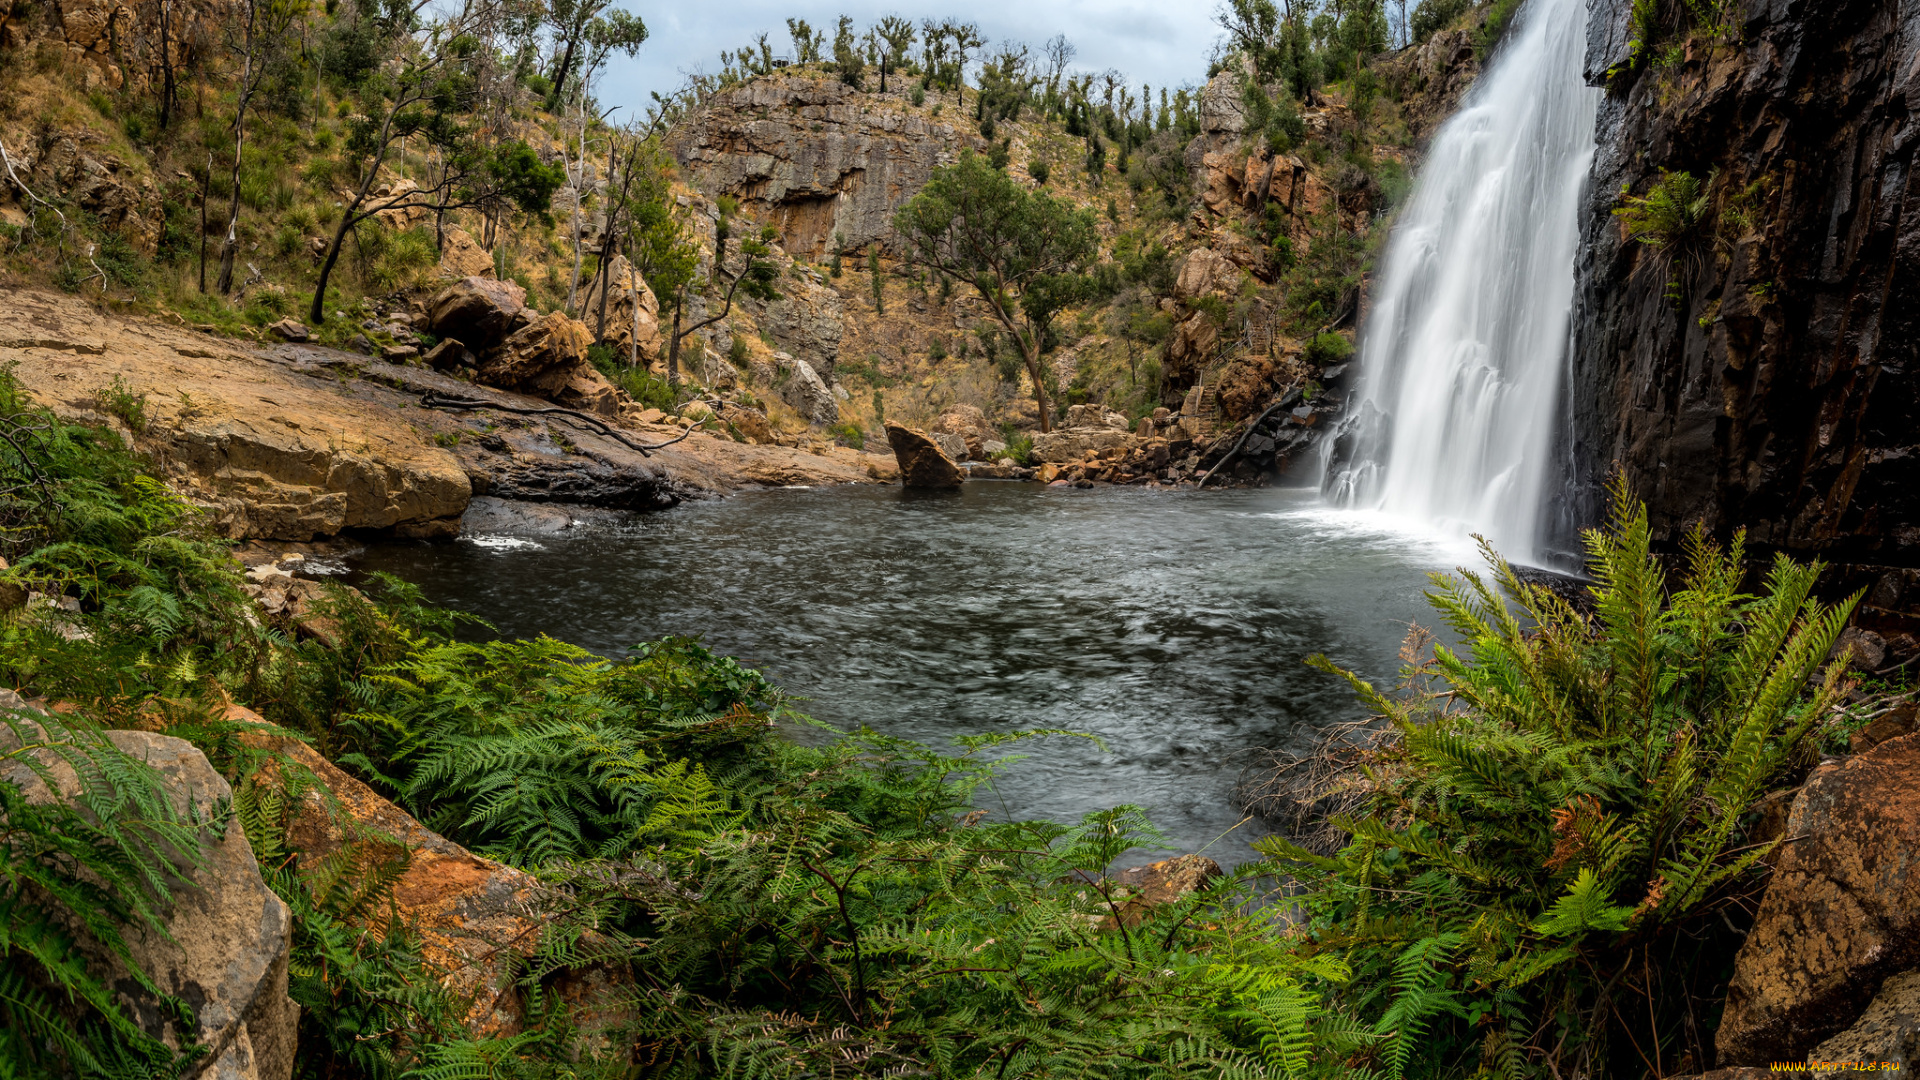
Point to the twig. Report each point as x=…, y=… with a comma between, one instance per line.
x=7, y=159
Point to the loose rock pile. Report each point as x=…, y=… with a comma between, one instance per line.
x=515, y=350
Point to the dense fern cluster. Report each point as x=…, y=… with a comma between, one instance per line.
x=1551, y=838
x=1551, y=864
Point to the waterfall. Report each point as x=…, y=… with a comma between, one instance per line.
x=1462, y=349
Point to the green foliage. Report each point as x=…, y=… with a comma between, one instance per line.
x=121, y=401
x=1671, y=213
x=1673, y=218
x=1328, y=348
x=80, y=870
x=1432, y=16
x=848, y=434
x=1555, y=843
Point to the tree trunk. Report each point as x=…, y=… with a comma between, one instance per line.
x=205, y=181
x=1039, y=389
x=560, y=78
x=579, y=178
x=673, y=342
x=230, y=246
x=166, y=67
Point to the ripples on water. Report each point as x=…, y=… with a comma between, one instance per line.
x=1173, y=625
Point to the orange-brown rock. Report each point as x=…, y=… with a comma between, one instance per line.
x=270, y=452
x=1144, y=888
x=1841, y=914
x=968, y=422
x=548, y=358
x=922, y=465
x=477, y=312
x=461, y=256
x=471, y=913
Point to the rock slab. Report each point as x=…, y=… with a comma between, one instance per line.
x=1841, y=915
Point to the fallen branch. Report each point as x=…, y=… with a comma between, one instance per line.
x=432, y=399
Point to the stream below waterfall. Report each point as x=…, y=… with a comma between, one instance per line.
x=1172, y=625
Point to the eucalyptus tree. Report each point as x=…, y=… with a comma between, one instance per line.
x=1024, y=252
x=430, y=92
x=585, y=34
x=264, y=33
x=897, y=35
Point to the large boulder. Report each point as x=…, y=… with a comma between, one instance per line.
x=922, y=465
x=228, y=937
x=968, y=422
x=461, y=256
x=478, y=312
x=806, y=391
x=1841, y=915
x=474, y=916
x=548, y=358
x=1073, y=444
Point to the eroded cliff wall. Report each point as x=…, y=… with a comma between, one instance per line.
x=1759, y=370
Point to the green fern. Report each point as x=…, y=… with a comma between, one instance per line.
x=1573, y=805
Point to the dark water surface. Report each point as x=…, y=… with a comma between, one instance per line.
x=1171, y=624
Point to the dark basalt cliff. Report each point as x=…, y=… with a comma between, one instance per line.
x=1775, y=387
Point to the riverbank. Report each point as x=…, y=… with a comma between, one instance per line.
x=293, y=441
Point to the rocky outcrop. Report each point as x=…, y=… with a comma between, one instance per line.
x=272, y=453
x=1089, y=429
x=808, y=320
x=1887, y=1033
x=473, y=915
x=922, y=465
x=461, y=256
x=227, y=936
x=548, y=358
x=478, y=312
x=820, y=161
x=632, y=310
x=1778, y=391
x=803, y=389
x=515, y=349
x=1841, y=914
x=78, y=164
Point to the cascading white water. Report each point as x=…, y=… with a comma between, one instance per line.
x=1462, y=350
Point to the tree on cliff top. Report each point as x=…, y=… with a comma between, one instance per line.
x=1024, y=251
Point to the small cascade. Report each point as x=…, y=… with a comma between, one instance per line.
x=1462, y=351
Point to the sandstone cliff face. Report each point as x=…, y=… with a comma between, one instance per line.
x=815, y=157
x=1778, y=392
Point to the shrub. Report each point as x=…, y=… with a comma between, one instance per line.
x=120, y=400
x=1328, y=348
x=1562, y=802
x=1039, y=170
x=848, y=434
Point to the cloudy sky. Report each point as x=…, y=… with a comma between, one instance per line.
x=1160, y=43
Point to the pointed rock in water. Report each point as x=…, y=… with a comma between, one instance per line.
x=922, y=465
